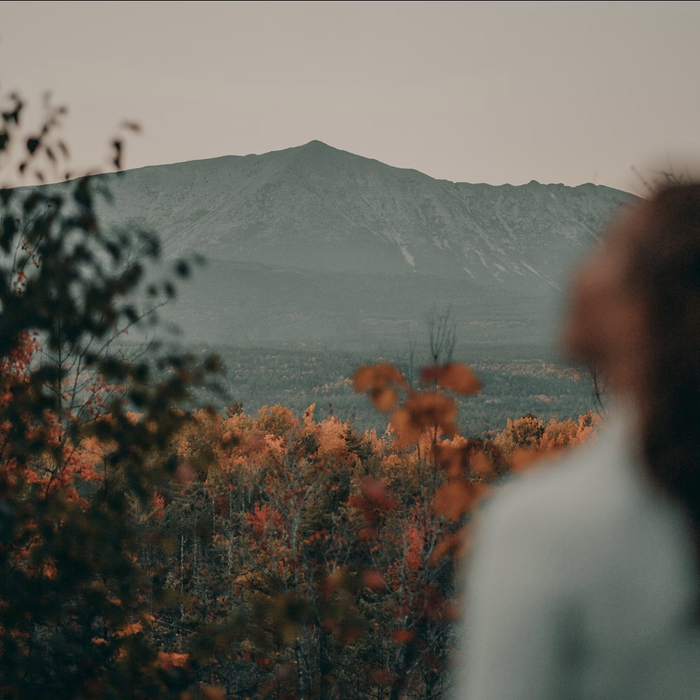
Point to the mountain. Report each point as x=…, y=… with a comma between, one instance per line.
x=314, y=244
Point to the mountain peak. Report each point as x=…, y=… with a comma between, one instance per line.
x=318, y=159
x=315, y=143
x=317, y=147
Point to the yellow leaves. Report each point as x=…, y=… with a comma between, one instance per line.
x=331, y=438
x=309, y=415
x=452, y=376
x=133, y=417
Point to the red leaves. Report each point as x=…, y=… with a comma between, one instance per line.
x=454, y=460
x=420, y=412
x=373, y=499
x=453, y=376
x=467, y=467
x=348, y=634
x=423, y=411
x=265, y=521
x=185, y=473
x=402, y=636
x=384, y=398
x=373, y=579
x=130, y=629
x=378, y=380
x=373, y=376
x=454, y=499
x=482, y=465
x=375, y=491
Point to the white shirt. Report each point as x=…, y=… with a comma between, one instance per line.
x=581, y=585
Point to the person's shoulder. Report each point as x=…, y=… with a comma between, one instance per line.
x=570, y=506
x=583, y=484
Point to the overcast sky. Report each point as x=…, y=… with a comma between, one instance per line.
x=476, y=92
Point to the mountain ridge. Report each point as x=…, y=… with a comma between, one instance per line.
x=316, y=244
x=318, y=207
x=318, y=142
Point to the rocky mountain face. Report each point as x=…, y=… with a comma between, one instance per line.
x=313, y=244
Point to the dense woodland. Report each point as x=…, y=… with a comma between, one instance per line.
x=279, y=518
x=150, y=548
x=285, y=555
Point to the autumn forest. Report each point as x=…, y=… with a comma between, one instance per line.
x=164, y=536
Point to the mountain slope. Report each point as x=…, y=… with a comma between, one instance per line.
x=317, y=208
x=316, y=245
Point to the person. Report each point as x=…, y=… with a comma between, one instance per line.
x=583, y=581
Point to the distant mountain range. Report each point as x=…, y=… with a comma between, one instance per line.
x=316, y=245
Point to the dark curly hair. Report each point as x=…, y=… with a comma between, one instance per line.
x=666, y=269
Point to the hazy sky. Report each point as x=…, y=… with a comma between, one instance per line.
x=480, y=92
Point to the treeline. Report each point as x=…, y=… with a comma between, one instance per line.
x=297, y=377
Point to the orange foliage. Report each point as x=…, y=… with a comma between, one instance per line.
x=455, y=498
x=323, y=535
x=62, y=464
x=211, y=692
x=170, y=660
x=423, y=411
x=453, y=376
x=379, y=380
x=130, y=630
x=467, y=467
